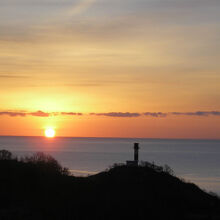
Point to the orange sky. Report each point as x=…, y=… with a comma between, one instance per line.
x=93, y=56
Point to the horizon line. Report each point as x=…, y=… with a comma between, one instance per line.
x=93, y=137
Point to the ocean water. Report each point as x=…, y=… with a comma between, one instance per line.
x=196, y=161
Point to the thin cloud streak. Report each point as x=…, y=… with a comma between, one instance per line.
x=81, y=7
x=39, y=114
x=198, y=113
x=71, y=113
x=118, y=114
x=155, y=114
x=13, y=114
x=24, y=114
x=11, y=76
x=111, y=114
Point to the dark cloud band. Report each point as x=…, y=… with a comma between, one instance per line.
x=13, y=114
x=155, y=114
x=198, y=113
x=111, y=114
x=118, y=114
x=71, y=113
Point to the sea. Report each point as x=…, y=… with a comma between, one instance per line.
x=196, y=161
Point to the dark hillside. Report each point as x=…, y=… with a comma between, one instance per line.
x=153, y=193
x=39, y=188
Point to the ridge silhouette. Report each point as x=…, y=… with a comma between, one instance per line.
x=38, y=187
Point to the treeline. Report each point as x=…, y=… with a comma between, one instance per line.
x=41, y=161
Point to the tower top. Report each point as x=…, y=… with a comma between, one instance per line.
x=136, y=146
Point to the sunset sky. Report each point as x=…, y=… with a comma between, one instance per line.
x=110, y=68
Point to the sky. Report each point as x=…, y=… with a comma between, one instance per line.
x=110, y=68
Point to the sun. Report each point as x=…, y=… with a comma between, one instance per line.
x=49, y=133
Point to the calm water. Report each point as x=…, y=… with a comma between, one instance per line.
x=197, y=161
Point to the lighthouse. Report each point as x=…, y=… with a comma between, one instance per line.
x=136, y=156
x=136, y=149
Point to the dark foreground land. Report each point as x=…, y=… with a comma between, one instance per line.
x=37, y=187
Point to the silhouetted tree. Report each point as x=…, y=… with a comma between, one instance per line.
x=168, y=170
x=5, y=155
x=46, y=162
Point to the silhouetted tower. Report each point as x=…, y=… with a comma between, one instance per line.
x=136, y=149
x=134, y=162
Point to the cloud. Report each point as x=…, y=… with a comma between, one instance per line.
x=198, y=113
x=216, y=113
x=111, y=114
x=11, y=76
x=118, y=114
x=82, y=6
x=155, y=114
x=24, y=113
x=13, y=114
x=71, y=113
x=39, y=114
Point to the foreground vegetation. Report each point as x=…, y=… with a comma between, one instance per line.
x=38, y=187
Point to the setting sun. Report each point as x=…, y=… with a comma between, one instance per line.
x=50, y=133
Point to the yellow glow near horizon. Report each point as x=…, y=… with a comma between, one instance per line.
x=50, y=133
